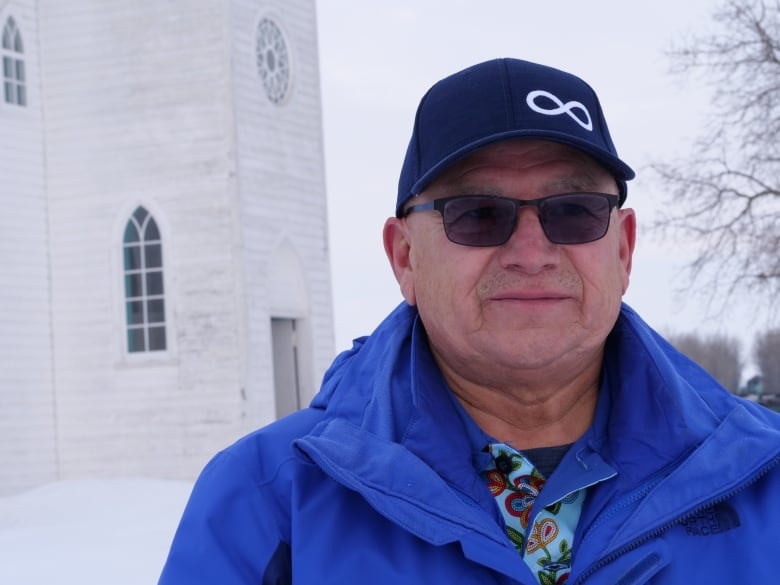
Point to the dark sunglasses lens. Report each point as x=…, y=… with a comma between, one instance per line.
x=479, y=221
x=577, y=218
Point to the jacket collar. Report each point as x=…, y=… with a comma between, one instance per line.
x=387, y=408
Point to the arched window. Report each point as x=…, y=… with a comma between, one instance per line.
x=14, y=83
x=144, y=294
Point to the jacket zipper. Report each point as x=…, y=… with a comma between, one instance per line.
x=636, y=543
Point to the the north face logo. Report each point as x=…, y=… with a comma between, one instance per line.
x=714, y=520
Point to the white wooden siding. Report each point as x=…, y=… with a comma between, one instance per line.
x=27, y=407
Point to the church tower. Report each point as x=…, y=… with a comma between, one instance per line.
x=170, y=288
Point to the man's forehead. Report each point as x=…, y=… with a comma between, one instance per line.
x=567, y=168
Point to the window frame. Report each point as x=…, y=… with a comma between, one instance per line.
x=13, y=65
x=140, y=291
x=277, y=84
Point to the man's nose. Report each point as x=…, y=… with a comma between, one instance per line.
x=528, y=248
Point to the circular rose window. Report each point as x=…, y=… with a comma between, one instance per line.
x=273, y=60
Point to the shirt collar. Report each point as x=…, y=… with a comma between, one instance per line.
x=588, y=445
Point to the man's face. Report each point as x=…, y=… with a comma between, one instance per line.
x=528, y=304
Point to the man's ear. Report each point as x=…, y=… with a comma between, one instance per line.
x=398, y=247
x=627, y=219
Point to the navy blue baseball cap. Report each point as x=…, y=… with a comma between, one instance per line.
x=498, y=100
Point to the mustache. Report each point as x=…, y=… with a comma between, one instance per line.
x=561, y=282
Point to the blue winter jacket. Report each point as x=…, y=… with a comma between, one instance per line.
x=375, y=481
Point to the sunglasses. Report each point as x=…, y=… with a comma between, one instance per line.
x=488, y=220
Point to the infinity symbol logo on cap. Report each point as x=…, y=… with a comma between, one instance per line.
x=567, y=108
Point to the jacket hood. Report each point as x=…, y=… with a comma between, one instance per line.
x=359, y=385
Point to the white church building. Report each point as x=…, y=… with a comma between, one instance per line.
x=163, y=237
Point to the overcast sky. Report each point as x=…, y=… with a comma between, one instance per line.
x=377, y=60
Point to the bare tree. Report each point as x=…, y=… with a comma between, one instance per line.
x=727, y=194
x=717, y=354
x=766, y=351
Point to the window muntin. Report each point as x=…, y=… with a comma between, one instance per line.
x=14, y=76
x=143, y=284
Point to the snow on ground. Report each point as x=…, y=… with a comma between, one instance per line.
x=89, y=532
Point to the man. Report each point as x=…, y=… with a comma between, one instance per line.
x=511, y=421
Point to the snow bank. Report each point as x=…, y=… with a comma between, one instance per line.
x=92, y=532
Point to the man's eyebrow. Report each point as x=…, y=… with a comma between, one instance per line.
x=581, y=182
